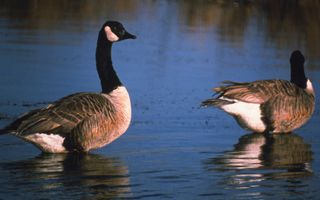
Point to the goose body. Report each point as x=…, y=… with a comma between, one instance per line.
x=87, y=120
x=277, y=106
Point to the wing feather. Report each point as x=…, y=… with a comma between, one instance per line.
x=257, y=91
x=62, y=116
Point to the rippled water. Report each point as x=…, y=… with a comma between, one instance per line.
x=173, y=149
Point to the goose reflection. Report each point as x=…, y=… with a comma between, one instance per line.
x=73, y=175
x=266, y=151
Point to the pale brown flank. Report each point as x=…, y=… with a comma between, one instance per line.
x=104, y=127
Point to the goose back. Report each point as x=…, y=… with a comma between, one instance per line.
x=257, y=91
x=62, y=116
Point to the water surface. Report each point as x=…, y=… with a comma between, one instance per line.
x=173, y=149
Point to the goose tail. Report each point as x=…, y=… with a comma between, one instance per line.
x=4, y=131
x=12, y=128
x=215, y=102
x=7, y=129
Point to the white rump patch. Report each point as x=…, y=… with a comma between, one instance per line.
x=248, y=115
x=50, y=143
x=110, y=35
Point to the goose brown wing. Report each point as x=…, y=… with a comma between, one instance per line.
x=62, y=116
x=257, y=91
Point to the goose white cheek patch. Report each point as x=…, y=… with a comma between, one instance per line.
x=110, y=35
x=309, y=87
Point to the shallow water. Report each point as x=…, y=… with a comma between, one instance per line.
x=173, y=149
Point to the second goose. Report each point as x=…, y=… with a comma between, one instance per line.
x=277, y=106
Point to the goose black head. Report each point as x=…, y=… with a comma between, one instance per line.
x=297, y=58
x=115, y=31
x=297, y=69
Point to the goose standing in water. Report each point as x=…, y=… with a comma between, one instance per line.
x=276, y=106
x=82, y=121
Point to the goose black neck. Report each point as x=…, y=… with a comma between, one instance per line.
x=108, y=77
x=298, y=76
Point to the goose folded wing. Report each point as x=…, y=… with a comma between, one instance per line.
x=62, y=116
x=254, y=92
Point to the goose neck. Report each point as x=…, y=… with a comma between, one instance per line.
x=298, y=76
x=108, y=77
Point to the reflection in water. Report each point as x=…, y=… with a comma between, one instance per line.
x=73, y=176
x=246, y=154
x=258, y=157
x=272, y=151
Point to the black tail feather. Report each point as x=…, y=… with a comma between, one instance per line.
x=5, y=130
x=9, y=128
x=215, y=102
x=15, y=124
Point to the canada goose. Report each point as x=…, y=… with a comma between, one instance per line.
x=82, y=121
x=277, y=106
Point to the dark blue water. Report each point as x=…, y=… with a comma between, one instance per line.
x=173, y=149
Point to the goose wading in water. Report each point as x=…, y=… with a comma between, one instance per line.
x=275, y=106
x=82, y=121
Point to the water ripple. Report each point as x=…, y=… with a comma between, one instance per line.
x=75, y=175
